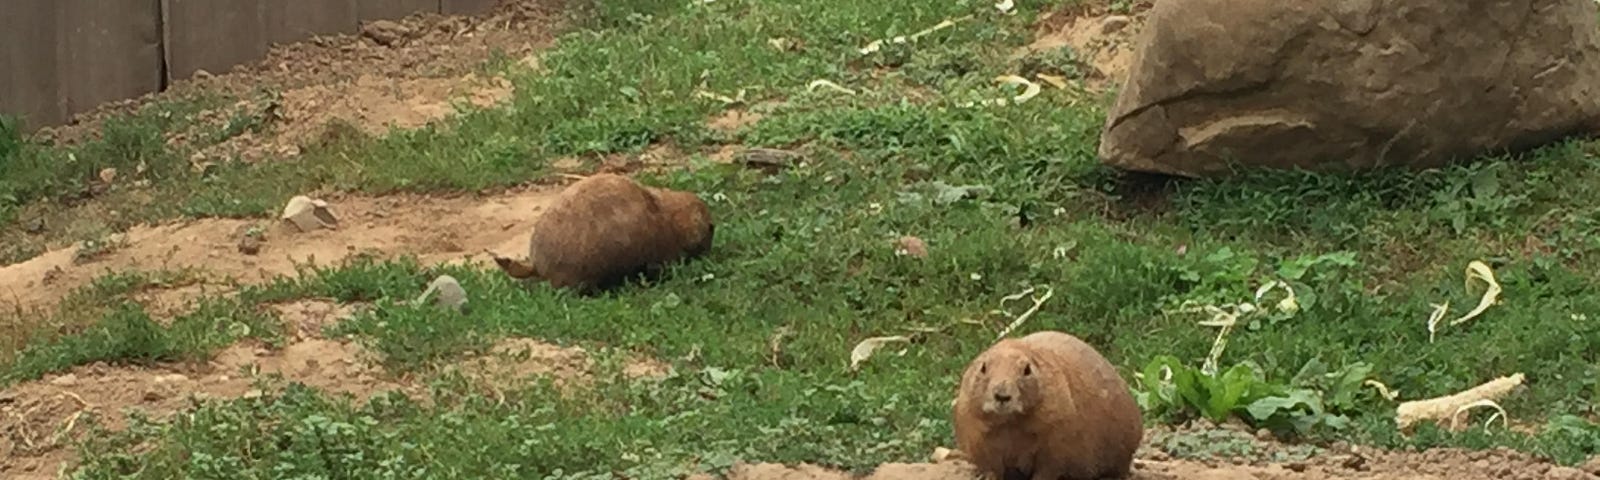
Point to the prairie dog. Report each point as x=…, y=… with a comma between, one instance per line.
x=606, y=228
x=1046, y=406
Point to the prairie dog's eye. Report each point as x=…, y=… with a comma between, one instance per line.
x=1027, y=370
x=984, y=368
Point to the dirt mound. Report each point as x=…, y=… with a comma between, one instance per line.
x=435, y=229
x=1209, y=452
x=1101, y=39
x=397, y=53
x=370, y=104
x=1439, y=464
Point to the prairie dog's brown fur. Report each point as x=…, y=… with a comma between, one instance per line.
x=607, y=227
x=1048, y=407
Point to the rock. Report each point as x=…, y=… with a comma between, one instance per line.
x=34, y=226
x=249, y=245
x=65, y=380
x=385, y=32
x=449, y=294
x=1352, y=84
x=250, y=238
x=1113, y=23
x=308, y=214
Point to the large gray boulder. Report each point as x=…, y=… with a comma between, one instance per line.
x=1352, y=84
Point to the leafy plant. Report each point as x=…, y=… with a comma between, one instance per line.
x=1217, y=277
x=1314, y=397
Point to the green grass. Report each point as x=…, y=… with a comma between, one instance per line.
x=1006, y=198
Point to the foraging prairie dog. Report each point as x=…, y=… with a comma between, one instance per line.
x=607, y=227
x=1049, y=407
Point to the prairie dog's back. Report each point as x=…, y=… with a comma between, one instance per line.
x=604, y=227
x=1097, y=390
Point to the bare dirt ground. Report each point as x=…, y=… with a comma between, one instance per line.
x=434, y=229
x=405, y=74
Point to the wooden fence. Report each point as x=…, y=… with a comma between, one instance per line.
x=63, y=57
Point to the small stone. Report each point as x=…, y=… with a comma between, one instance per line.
x=309, y=214
x=51, y=275
x=249, y=245
x=108, y=175
x=1354, y=462
x=450, y=294
x=171, y=378
x=1113, y=23
x=152, y=395
x=385, y=32
x=34, y=226
x=65, y=380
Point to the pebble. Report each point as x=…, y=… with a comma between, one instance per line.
x=65, y=380
x=1114, y=23
x=447, y=293
x=249, y=245
x=172, y=377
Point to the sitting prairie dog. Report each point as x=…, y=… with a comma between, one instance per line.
x=1046, y=406
x=606, y=228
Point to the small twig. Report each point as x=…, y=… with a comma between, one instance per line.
x=80, y=400
x=71, y=422
x=775, y=344
x=1037, y=302
x=22, y=431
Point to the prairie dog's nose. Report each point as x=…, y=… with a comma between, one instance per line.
x=1002, y=397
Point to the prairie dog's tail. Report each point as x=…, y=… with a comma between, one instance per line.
x=516, y=269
